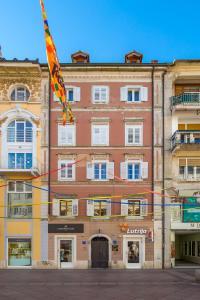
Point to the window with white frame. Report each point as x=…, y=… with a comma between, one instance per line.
x=100, y=94
x=20, y=160
x=65, y=207
x=133, y=135
x=134, y=94
x=133, y=208
x=100, y=135
x=66, y=170
x=20, y=93
x=66, y=135
x=20, y=131
x=100, y=170
x=189, y=169
x=99, y=207
x=72, y=94
x=19, y=199
x=134, y=170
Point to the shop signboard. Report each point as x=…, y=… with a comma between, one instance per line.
x=65, y=228
x=191, y=210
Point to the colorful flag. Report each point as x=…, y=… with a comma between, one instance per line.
x=57, y=82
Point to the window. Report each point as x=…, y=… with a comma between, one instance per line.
x=133, y=94
x=99, y=207
x=70, y=94
x=66, y=135
x=189, y=169
x=20, y=94
x=100, y=94
x=65, y=207
x=19, y=193
x=19, y=160
x=134, y=170
x=190, y=248
x=193, y=248
x=20, y=131
x=198, y=248
x=19, y=252
x=185, y=248
x=133, y=208
x=100, y=171
x=133, y=135
x=66, y=170
x=100, y=135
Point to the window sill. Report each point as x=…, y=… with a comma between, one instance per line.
x=65, y=217
x=100, y=218
x=133, y=145
x=70, y=180
x=132, y=218
x=96, y=145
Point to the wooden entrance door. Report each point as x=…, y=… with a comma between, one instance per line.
x=99, y=252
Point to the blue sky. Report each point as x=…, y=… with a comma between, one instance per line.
x=106, y=29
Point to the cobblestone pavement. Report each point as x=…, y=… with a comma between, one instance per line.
x=98, y=284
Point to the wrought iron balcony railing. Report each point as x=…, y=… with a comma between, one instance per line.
x=182, y=137
x=186, y=99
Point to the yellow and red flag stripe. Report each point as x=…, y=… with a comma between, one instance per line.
x=57, y=82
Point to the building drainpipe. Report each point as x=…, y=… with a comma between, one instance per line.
x=163, y=170
x=152, y=154
x=49, y=149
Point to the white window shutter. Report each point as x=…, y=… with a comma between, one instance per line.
x=176, y=213
x=144, y=93
x=110, y=170
x=75, y=207
x=55, y=207
x=123, y=170
x=90, y=208
x=77, y=93
x=107, y=94
x=73, y=171
x=109, y=208
x=56, y=99
x=123, y=93
x=124, y=207
x=144, y=170
x=144, y=207
x=90, y=170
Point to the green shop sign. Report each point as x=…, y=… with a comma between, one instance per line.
x=191, y=210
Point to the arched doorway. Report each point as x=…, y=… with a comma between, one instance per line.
x=99, y=252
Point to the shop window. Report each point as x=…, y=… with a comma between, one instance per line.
x=19, y=193
x=19, y=252
x=20, y=93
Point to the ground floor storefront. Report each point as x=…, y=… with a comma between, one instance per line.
x=101, y=244
x=186, y=248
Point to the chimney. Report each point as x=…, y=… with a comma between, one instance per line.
x=80, y=57
x=133, y=57
x=154, y=61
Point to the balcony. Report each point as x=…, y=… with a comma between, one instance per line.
x=185, y=215
x=185, y=140
x=186, y=101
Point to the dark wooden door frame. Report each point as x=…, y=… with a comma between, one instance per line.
x=99, y=252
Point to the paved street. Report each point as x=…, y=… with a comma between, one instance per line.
x=98, y=284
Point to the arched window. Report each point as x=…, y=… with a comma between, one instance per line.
x=20, y=131
x=20, y=93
